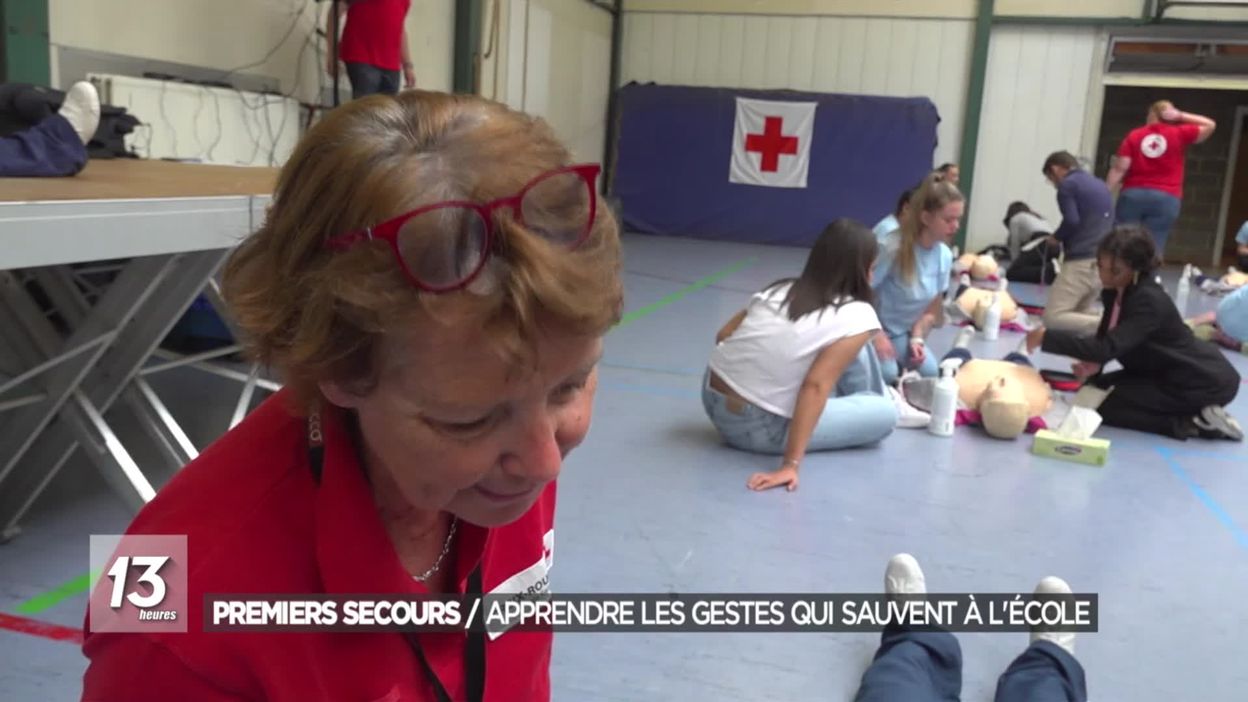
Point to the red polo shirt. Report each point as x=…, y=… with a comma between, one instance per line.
x=257, y=522
x=374, y=33
x=1158, y=155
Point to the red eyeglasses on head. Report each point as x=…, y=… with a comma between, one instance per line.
x=442, y=247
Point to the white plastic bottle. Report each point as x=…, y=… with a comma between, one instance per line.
x=945, y=400
x=1184, y=289
x=992, y=318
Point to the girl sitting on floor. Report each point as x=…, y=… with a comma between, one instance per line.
x=1227, y=325
x=793, y=372
x=912, y=275
x=1172, y=383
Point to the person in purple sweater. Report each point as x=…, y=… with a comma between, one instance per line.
x=1087, y=209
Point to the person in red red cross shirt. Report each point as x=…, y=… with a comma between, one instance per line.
x=374, y=46
x=433, y=283
x=1150, y=165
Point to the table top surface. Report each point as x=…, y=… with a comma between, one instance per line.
x=125, y=179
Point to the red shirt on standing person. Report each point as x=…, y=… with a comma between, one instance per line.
x=373, y=34
x=1158, y=152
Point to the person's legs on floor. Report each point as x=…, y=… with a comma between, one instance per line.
x=1047, y=670
x=912, y=665
x=55, y=146
x=861, y=411
x=742, y=425
x=1072, y=296
x=1138, y=403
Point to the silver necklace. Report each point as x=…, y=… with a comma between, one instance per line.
x=446, y=547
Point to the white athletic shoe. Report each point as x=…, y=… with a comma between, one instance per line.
x=1053, y=585
x=908, y=416
x=1216, y=422
x=904, y=576
x=82, y=109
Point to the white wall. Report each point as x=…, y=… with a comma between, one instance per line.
x=555, y=62
x=865, y=55
x=227, y=34
x=1036, y=99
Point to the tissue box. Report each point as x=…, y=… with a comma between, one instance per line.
x=1092, y=451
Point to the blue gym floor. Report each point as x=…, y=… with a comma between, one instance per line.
x=653, y=502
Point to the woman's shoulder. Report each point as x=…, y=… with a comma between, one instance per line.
x=849, y=317
x=246, y=493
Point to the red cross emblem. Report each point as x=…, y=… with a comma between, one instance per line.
x=771, y=144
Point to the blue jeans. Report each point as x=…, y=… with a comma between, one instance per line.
x=1155, y=209
x=893, y=368
x=926, y=666
x=50, y=148
x=367, y=79
x=859, y=413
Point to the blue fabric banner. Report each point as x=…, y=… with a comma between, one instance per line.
x=676, y=173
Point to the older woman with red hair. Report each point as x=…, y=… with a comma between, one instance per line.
x=433, y=283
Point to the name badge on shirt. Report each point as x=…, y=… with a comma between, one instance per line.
x=533, y=580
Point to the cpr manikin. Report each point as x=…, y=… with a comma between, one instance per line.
x=1006, y=393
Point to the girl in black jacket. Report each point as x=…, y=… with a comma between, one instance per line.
x=1172, y=383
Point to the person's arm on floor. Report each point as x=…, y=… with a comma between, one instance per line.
x=727, y=330
x=1205, y=125
x=1117, y=172
x=820, y=380
x=1134, y=328
x=922, y=327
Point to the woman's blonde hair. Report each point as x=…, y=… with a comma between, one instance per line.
x=318, y=315
x=932, y=195
x=1158, y=108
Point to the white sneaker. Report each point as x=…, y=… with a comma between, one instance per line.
x=908, y=416
x=1053, y=585
x=904, y=576
x=82, y=109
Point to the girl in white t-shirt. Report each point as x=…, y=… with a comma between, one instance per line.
x=794, y=372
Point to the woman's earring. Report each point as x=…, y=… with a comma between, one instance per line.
x=1135, y=280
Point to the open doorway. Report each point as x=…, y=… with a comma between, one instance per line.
x=1235, y=197
x=1199, y=236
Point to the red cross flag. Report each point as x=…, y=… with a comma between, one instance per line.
x=771, y=143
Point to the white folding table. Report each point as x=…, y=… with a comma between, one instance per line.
x=72, y=351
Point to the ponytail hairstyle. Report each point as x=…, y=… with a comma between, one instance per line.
x=932, y=195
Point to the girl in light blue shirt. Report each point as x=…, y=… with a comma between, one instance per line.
x=911, y=275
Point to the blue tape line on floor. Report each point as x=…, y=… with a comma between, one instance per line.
x=687, y=372
x=682, y=393
x=1241, y=537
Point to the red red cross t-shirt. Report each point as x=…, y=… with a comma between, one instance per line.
x=257, y=521
x=374, y=33
x=1157, y=153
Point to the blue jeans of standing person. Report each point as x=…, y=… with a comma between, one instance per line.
x=367, y=79
x=858, y=413
x=893, y=368
x=50, y=148
x=926, y=666
x=1157, y=210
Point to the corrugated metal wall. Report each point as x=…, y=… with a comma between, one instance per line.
x=875, y=56
x=1035, y=103
x=557, y=56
